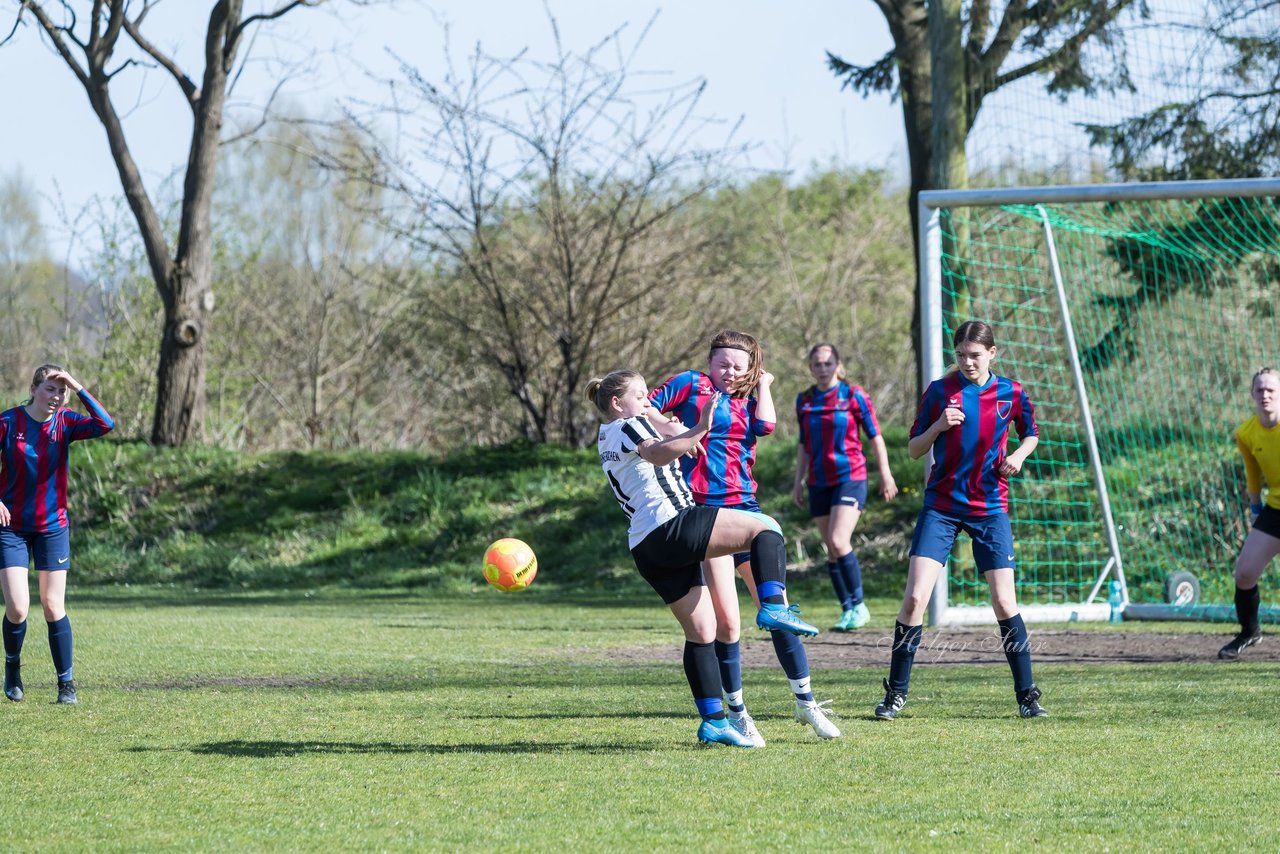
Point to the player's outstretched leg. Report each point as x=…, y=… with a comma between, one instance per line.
x=769, y=568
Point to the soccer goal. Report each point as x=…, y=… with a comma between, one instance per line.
x=1135, y=315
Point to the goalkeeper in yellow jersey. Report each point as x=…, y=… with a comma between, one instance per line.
x=1259, y=443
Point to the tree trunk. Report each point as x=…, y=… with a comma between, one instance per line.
x=950, y=130
x=179, y=412
x=909, y=27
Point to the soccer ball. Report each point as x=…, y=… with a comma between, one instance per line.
x=510, y=565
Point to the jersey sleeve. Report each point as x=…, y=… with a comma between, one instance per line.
x=928, y=410
x=675, y=391
x=759, y=427
x=634, y=433
x=860, y=405
x=97, y=423
x=1252, y=468
x=1025, y=419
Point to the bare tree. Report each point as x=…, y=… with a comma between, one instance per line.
x=91, y=45
x=556, y=200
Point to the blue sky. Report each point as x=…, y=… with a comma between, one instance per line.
x=763, y=63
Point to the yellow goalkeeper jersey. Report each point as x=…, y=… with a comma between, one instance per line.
x=1260, y=448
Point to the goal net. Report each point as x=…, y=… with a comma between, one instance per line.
x=1135, y=315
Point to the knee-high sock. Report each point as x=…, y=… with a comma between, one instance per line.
x=703, y=673
x=1017, y=648
x=852, y=575
x=838, y=584
x=729, y=656
x=906, y=640
x=14, y=633
x=60, y=647
x=769, y=566
x=794, y=661
x=1247, y=603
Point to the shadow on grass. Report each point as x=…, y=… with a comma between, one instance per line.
x=277, y=749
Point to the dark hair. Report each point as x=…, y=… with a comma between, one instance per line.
x=728, y=339
x=39, y=376
x=822, y=345
x=601, y=391
x=973, y=332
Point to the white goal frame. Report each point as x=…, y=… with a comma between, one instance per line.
x=929, y=208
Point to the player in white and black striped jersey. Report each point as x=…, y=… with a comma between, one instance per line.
x=670, y=536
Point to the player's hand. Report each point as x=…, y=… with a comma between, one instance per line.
x=695, y=452
x=797, y=495
x=64, y=378
x=708, y=412
x=1010, y=466
x=4, y=515
x=888, y=488
x=950, y=417
x=766, y=379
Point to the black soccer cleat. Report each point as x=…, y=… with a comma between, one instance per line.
x=1239, y=644
x=893, y=703
x=13, y=680
x=67, y=693
x=1029, y=704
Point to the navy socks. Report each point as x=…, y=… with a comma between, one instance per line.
x=703, y=673
x=60, y=647
x=1017, y=649
x=13, y=637
x=906, y=640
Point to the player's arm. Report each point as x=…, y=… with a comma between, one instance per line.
x=1013, y=463
x=919, y=445
x=888, y=486
x=802, y=472
x=1252, y=476
x=659, y=453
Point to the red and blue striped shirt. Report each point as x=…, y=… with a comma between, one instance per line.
x=33, y=462
x=721, y=476
x=965, y=479
x=829, y=422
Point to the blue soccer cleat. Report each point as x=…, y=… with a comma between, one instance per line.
x=781, y=618
x=722, y=732
x=861, y=616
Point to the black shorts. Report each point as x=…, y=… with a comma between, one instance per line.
x=670, y=558
x=1268, y=521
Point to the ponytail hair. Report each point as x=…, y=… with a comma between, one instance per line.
x=823, y=345
x=39, y=377
x=600, y=391
x=728, y=339
x=971, y=332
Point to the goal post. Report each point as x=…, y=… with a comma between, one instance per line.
x=1135, y=314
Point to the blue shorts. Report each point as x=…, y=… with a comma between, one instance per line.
x=851, y=493
x=52, y=549
x=992, y=538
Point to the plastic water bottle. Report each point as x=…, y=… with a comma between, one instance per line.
x=1116, y=598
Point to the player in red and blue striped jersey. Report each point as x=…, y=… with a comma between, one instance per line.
x=831, y=463
x=720, y=476
x=34, y=441
x=965, y=418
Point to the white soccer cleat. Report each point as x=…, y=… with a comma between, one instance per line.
x=746, y=727
x=815, y=715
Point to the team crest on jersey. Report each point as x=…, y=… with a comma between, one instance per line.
x=1002, y=408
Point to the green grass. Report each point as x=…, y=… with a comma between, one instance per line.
x=385, y=721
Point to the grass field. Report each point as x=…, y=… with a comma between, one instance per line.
x=388, y=721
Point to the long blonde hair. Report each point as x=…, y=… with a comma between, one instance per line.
x=733, y=340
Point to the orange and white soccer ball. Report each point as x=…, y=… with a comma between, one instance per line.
x=510, y=565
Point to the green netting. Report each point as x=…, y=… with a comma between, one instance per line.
x=1174, y=306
